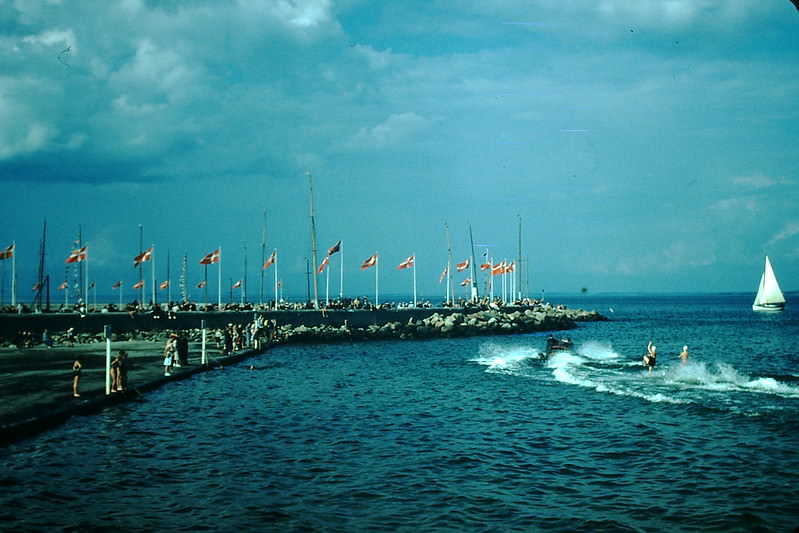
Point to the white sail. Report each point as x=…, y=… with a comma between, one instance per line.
x=769, y=296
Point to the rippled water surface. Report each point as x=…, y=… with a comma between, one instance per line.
x=450, y=435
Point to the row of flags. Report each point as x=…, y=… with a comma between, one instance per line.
x=81, y=254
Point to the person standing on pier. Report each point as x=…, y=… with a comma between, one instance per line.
x=76, y=367
x=169, y=354
x=182, y=346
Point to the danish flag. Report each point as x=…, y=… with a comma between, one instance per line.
x=372, y=261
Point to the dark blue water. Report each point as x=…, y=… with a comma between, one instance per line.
x=450, y=435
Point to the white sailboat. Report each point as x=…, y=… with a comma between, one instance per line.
x=769, y=296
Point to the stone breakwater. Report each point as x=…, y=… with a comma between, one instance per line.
x=455, y=324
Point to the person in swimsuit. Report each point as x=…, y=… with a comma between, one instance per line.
x=684, y=355
x=650, y=356
x=76, y=366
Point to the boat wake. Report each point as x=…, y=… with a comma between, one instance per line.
x=596, y=365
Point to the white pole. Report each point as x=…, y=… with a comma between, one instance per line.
x=377, y=279
x=341, y=271
x=107, y=359
x=86, y=283
x=327, y=287
x=153, y=274
x=414, y=279
x=14, y=275
x=219, y=282
x=276, y=296
x=203, y=357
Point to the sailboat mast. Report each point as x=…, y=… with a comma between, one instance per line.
x=313, y=244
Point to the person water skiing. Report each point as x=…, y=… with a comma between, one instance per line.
x=684, y=355
x=650, y=356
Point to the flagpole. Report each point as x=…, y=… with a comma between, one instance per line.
x=377, y=280
x=414, y=279
x=14, y=275
x=263, y=259
x=327, y=287
x=449, y=262
x=168, y=280
x=243, y=289
x=275, y=252
x=518, y=277
x=341, y=272
x=152, y=271
x=219, y=284
x=313, y=245
x=141, y=275
x=86, y=282
x=475, y=290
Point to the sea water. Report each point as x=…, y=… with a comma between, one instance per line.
x=474, y=434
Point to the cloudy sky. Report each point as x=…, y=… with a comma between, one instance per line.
x=643, y=146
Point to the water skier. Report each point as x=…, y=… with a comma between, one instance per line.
x=684, y=355
x=650, y=356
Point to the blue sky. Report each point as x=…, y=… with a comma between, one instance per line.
x=644, y=146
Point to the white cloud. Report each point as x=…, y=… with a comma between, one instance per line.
x=790, y=229
x=758, y=181
x=396, y=128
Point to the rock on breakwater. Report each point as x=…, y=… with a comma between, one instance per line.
x=447, y=324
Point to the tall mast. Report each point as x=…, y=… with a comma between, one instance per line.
x=475, y=287
x=313, y=244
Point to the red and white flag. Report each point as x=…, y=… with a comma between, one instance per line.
x=372, y=261
x=323, y=264
x=164, y=285
x=485, y=266
x=335, y=248
x=463, y=266
x=117, y=285
x=270, y=260
x=237, y=284
x=467, y=281
x=77, y=256
x=202, y=284
x=443, y=274
x=510, y=268
x=139, y=284
x=498, y=269
x=63, y=286
x=408, y=263
x=213, y=257
x=142, y=257
x=8, y=253
x=37, y=286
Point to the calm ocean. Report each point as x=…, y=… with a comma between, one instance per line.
x=468, y=434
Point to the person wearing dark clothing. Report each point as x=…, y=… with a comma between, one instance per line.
x=183, y=349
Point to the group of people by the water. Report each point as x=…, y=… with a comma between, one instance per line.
x=650, y=357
